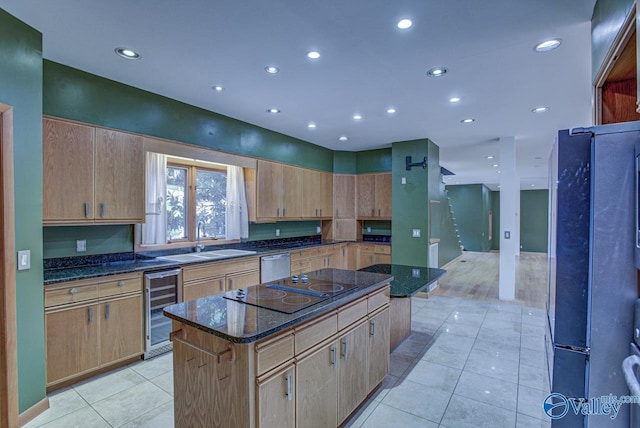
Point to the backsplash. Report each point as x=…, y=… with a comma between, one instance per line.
x=60, y=241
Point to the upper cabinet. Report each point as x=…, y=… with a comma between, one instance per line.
x=277, y=192
x=374, y=196
x=91, y=175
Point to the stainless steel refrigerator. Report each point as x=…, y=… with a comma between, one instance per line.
x=592, y=276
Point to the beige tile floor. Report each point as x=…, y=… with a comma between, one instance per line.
x=467, y=363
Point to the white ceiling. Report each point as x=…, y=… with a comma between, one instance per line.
x=367, y=65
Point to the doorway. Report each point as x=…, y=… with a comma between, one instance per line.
x=8, y=329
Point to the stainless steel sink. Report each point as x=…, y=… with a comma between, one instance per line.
x=206, y=255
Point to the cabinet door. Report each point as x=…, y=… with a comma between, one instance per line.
x=383, y=195
x=206, y=287
x=353, y=373
x=269, y=189
x=334, y=258
x=67, y=156
x=310, y=189
x=344, y=196
x=384, y=259
x=379, y=340
x=365, y=259
x=326, y=194
x=121, y=329
x=72, y=342
x=242, y=280
x=345, y=229
x=316, y=388
x=291, y=192
x=119, y=175
x=352, y=257
x=275, y=398
x=366, y=195
x=318, y=263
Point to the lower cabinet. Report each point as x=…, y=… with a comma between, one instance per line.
x=202, y=288
x=353, y=370
x=316, y=386
x=206, y=279
x=379, y=338
x=275, y=396
x=88, y=325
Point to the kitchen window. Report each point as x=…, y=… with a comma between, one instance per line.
x=196, y=195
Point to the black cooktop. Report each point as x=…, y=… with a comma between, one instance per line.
x=290, y=295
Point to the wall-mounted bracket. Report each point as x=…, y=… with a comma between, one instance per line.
x=423, y=164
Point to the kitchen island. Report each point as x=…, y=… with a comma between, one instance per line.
x=407, y=282
x=238, y=363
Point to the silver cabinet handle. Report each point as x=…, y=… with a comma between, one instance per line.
x=344, y=349
x=87, y=209
x=289, y=393
x=278, y=212
x=338, y=213
x=316, y=212
x=102, y=208
x=373, y=212
x=333, y=355
x=284, y=212
x=372, y=328
x=107, y=310
x=378, y=212
x=74, y=290
x=90, y=314
x=120, y=283
x=320, y=212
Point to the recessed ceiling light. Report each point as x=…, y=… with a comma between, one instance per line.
x=273, y=110
x=218, y=88
x=498, y=172
x=311, y=125
x=357, y=117
x=495, y=165
x=313, y=54
x=343, y=138
x=454, y=100
x=540, y=109
x=271, y=69
x=127, y=53
x=437, y=71
x=490, y=157
x=404, y=23
x=391, y=110
x=467, y=120
x=533, y=185
x=547, y=45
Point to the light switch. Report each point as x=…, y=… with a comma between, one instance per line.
x=368, y=229
x=416, y=233
x=24, y=260
x=81, y=245
x=507, y=234
x=318, y=230
x=404, y=180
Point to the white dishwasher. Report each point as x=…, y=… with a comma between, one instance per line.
x=275, y=267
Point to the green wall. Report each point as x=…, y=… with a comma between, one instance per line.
x=21, y=88
x=534, y=220
x=606, y=23
x=495, y=208
x=60, y=241
x=378, y=227
x=379, y=160
x=288, y=229
x=74, y=94
x=344, y=162
x=471, y=205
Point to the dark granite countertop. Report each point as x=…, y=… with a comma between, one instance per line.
x=408, y=280
x=242, y=323
x=75, y=268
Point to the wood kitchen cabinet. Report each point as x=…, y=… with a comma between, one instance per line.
x=317, y=194
x=353, y=369
x=316, y=387
x=321, y=257
x=278, y=191
x=91, y=324
x=374, y=196
x=206, y=279
x=379, y=337
x=344, y=196
x=201, y=288
x=91, y=175
x=275, y=399
x=373, y=254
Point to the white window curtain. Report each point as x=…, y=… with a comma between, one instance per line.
x=237, y=217
x=154, y=229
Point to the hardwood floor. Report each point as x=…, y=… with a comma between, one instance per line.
x=475, y=276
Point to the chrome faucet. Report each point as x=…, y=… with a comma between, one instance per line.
x=199, y=246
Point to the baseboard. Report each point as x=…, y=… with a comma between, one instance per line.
x=452, y=261
x=32, y=412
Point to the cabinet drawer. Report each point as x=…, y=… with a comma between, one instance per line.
x=378, y=299
x=315, y=331
x=69, y=294
x=206, y=287
x=120, y=286
x=351, y=313
x=382, y=249
x=194, y=273
x=273, y=352
x=367, y=248
x=300, y=254
x=301, y=265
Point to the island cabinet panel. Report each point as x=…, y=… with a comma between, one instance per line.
x=274, y=352
x=275, y=399
x=72, y=342
x=353, y=373
x=379, y=342
x=316, y=387
x=310, y=334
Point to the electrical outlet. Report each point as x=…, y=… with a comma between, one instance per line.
x=81, y=245
x=368, y=230
x=318, y=230
x=277, y=232
x=416, y=233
